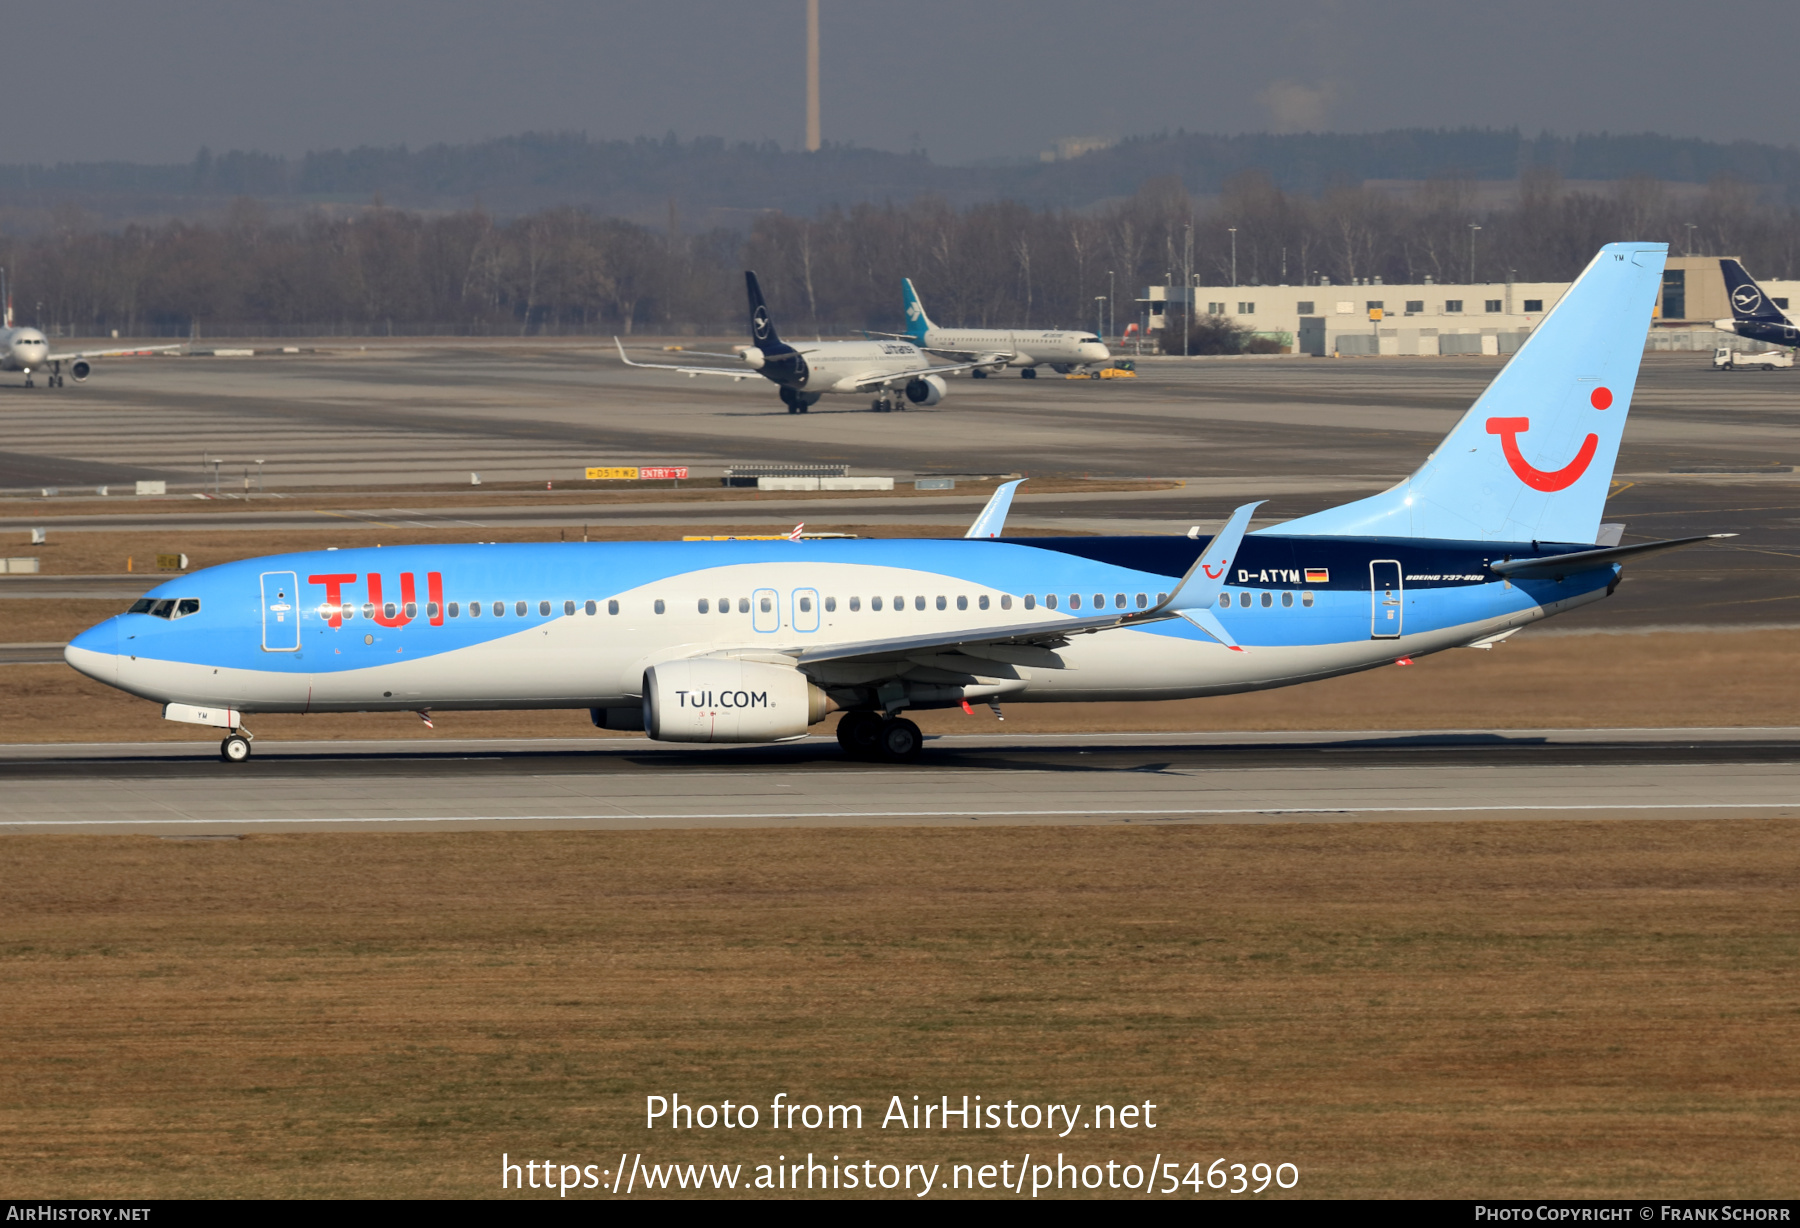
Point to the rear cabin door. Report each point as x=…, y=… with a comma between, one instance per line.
x=280, y=611
x=1386, y=613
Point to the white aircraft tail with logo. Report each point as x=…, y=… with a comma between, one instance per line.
x=1533, y=458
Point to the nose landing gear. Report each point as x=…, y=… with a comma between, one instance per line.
x=236, y=746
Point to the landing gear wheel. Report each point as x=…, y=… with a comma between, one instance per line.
x=857, y=733
x=899, y=741
x=978, y=373
x=793, y=409
x=1028, y=373
x=235, y=748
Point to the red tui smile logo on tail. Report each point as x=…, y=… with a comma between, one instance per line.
x=1509, y=430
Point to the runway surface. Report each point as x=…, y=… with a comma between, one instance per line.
x=626, y=784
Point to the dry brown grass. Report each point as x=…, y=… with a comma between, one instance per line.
x=1527, y=1009
x=1588, y=681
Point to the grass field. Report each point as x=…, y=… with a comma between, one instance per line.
x=1527, y=1009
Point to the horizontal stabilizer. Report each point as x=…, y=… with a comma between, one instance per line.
x=1581, y=560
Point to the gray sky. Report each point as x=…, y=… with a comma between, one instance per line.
x=153, y=80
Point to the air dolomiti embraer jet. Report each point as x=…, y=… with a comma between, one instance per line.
x=895, y=371
x=758, y=641
x=990, y=350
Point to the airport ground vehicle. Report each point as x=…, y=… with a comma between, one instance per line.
x=1727, y=359
x=754, y=641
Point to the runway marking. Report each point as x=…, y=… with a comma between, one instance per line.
x=910, y=814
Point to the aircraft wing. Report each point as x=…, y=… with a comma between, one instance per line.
x=1192, y=599
x=118, y=353
x=732, y=372
x=978, y=358
x=868, y=383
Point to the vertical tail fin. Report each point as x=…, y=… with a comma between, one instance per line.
x=1748, y=302
x=762, y=326
x=917, y=322
x=1533, y=458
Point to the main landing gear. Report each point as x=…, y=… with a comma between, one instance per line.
x=236, y=746
x=870, y=735
x=886, y=402
x=1028, y=373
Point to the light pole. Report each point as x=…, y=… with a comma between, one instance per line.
x=1112, y=315
x=1233, y=230
x=1690, y=230
x=1100, y=314
x=1187, y=307
x=1472, y=229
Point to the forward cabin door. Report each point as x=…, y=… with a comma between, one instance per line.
x=1386, y=613
x=280, y=611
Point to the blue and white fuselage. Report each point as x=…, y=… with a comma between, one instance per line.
x=757, y=641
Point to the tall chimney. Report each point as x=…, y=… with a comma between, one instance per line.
x=812, y=76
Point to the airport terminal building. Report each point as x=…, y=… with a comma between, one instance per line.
x=1368, y=318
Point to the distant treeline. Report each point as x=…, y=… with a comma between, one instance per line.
x=995, y=264
x=711, y=181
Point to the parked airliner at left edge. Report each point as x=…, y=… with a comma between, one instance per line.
x=896, y=372
x=28, y=350
x=1499, y=527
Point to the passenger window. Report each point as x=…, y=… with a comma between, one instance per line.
x=1244, y=599
x=1074, y=601
x=899, y=604
x=919, y=603
x=474, y=609
x=1224, y=601
x=1161, y=597
x=1119, y=601
x=1287, y=600
x=855, y=604
x=1143, y=602
x=659, y=607
x=543, y=609
x=141, y=606
x=368, y=609
x=724, y=605
x=705, y=606
x=499, y=609
x=612, y=607
x=743, y=605
x=1100, y=601
x=765, y=605
x=387, y=609
x=187, y=605
x=455, y=610
x=944, y=605
x=1306, y=600
x=1005, y=601
x=806, y=605
x=1049, y=601
x=568, y=608
x=1031, y=601
x=1268, y=599
x=875, y=604
x=592, y=607
x=412, y=609
x=519, y=609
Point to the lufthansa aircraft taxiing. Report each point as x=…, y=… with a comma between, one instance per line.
x=990, y=350
x=895, y=371
x=1753, y=313
x=756, y=641
x=28, y=350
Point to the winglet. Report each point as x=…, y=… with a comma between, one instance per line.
x=993, y=517
x=624, y=359
x=1200, y=588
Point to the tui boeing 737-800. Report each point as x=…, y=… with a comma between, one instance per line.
x=758, y=641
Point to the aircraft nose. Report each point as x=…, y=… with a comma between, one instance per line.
x=95, y=652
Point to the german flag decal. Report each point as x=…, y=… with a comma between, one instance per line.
x=1318, y=575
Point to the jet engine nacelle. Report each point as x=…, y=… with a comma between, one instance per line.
x=927, y=390
x=720, y=700
x=754, y=357
x=80, y=370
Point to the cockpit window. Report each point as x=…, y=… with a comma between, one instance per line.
x=186, y=606
x=169, y=607
x=141, y=606
x=162, y=609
